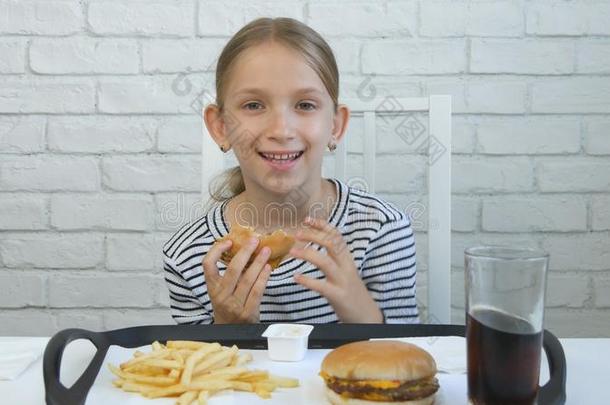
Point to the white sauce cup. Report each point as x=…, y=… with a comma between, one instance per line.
x=287, y=341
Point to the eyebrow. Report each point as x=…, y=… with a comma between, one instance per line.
x=255, y=90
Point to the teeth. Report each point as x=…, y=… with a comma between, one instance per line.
x=282, y=156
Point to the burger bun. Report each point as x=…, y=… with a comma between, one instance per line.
x=336, y=399
x=279, y=242
x=379, y=360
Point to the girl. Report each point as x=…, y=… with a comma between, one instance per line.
x=277, y=87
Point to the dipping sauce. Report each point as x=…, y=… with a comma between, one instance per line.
x=287, y=341
x=283, y=330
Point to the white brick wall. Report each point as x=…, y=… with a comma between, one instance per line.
x=382, y=18
x=600, y=213
x=116, y=211
x=23, y=211
x=22, y=134
x=575, y=18
x=576, y=174
x=571, y=95
x=84, y=290
x=36, y=94
x=100, y=136
x=84, y=55
x=42, y=17
x=531, y=214
x=593, y=57
x=49, y=173
x=152, y=173
x=521, y=56
x=586, y=251
x=141, y=18
x=535, y=136
x=146, y=95
x=22, y=289
x=129, y=252
x=476, y=18
x=433, y=57
x=13, y=55
x=501, y=97
x=180, y=55
x=602, y=293
x=596, y=139
x=50, y=250
x=492, y=175
x=179, y=134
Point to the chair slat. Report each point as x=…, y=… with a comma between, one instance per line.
x=439, y=210
x=370, y=148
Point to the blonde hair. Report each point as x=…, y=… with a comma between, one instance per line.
x=286, y=31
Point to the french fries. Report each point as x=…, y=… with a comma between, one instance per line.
x=193, y=371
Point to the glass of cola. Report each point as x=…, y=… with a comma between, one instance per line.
x=505, y=293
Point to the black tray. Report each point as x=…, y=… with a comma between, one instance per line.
x=324, y=336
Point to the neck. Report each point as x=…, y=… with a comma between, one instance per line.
x=267, y=211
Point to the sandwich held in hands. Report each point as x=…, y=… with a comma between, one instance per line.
x=381, y=372
x=279, y=242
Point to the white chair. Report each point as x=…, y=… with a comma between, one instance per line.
x=439, y=181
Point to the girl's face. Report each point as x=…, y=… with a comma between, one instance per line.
x=279, y=118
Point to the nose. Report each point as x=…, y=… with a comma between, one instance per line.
x=281, y=125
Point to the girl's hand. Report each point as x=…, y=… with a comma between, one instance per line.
x=343, y=287
x=236, y=296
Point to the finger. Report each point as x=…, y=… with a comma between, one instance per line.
x=323, y=262
x=318, y=223
x=320, y=286
x=324, y=234
x=322, y=238
x=331, y=239
x=250, y=276
x=237, y=265
x=258, y=289
x=210, y=270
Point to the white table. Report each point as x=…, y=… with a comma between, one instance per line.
x=588, y=373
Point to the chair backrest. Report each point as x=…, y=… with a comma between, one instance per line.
x=437, y=141
x=438, y=145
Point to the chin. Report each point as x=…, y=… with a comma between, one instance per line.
x=282, y=185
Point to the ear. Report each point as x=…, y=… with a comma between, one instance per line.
x=215, y=124
x=340, y=120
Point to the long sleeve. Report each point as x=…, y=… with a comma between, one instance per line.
x=185, y=307
x=389, y=270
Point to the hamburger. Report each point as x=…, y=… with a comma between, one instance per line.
x=278, y=241
x=383, y=372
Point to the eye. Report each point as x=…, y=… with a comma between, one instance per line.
x=306, y=105
x=253, y=105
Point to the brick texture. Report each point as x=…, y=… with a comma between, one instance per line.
x=101, y=136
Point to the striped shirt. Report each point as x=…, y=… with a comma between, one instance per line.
x=377, y=233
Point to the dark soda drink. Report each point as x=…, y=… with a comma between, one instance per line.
x=503, y=358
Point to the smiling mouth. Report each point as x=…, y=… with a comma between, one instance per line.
x=281, y=158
